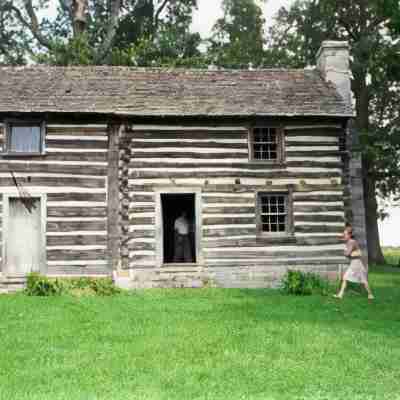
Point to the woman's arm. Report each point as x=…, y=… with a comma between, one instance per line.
x=351, y=245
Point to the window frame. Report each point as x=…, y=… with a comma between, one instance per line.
x=280, y=131
x=9, y=123
x=289, y=229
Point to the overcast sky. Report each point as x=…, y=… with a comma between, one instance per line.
x=204, y=18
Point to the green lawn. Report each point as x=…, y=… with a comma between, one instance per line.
x=202, y=344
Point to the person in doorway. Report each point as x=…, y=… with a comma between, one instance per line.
x=356, y=272
x=182, y=249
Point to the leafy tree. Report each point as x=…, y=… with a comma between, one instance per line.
x=238, y=37
x=373, y=31
x=95, y=31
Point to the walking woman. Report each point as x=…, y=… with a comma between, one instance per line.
x=356, y=272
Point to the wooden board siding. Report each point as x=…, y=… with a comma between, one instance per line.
x=216, y=160
x=73, y=175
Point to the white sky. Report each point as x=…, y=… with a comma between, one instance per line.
x=204, y=18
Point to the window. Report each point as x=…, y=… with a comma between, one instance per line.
x=266, y=144
x=274, y=213
x=24, y=137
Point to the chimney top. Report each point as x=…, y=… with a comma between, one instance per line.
x=334, y=64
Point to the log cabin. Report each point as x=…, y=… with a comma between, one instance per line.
x=97, y=163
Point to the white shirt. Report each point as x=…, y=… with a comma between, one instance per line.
x=182, y=226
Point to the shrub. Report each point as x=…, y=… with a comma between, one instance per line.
x=39, y=285
x=304, y=283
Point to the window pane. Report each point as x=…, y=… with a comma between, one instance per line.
x=273, y=213
x=265, y=144
x=25, y=139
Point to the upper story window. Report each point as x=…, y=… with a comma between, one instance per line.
x=24, y=137
x=274, y=212
x=266, y=144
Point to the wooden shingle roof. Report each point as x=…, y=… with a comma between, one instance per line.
x=168, y=92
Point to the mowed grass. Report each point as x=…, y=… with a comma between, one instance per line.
x=203, y=344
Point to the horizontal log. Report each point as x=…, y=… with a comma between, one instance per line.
x=142, y=209
x=228, y=134
x=55, y=182
x=91, y=156
x=223, y=232
x=318, y=218
x=76, y=144
x=222, y=188
x=314, y=132
x=77, y=130
x=78, y=270
x=318, y=229
x=72, y=226
x=141, y=234
x=271, y=254
x=146, y=145
x=99, y=197
x=66, y=255
x=229, y=210
x=228, y=221
x=316, y=208
x=244, y=165
x=232, y=200
x=142, y=198
x=97, y=170
x=268, y=241
x=317, y=198
x=312, y=153
x=139, y=174
x=143, y=221
x=294, y=144
x=141, y=246
x=76, y=240
x=76, y=211
x=172, y=155
x=273, y=263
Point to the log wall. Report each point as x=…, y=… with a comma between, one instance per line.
x=73, y=175
x=215, y=159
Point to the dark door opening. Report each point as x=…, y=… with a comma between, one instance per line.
x=178, y=248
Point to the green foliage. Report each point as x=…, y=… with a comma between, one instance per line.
x=39, y=285
x=304, y=283
x=238, y=37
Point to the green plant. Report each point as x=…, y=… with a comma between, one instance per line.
x=304, y=283
x=39, y=285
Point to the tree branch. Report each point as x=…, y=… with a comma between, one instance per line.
x=33, y=25
x=158, y=12
x=111, y=31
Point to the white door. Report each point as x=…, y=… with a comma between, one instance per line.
x=23, y=241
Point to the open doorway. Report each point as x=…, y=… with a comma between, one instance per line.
x=178, y=247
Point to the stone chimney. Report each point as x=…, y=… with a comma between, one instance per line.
x=334, y=65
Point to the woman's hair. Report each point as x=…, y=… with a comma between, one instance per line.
x=349, y=230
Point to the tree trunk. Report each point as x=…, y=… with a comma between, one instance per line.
x=79, y=16
x=375, y=255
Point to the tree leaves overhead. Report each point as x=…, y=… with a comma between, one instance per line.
x=93, y=31
x=238, y=37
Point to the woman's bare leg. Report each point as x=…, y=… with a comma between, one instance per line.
x=368, y=289
x=342, y=289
